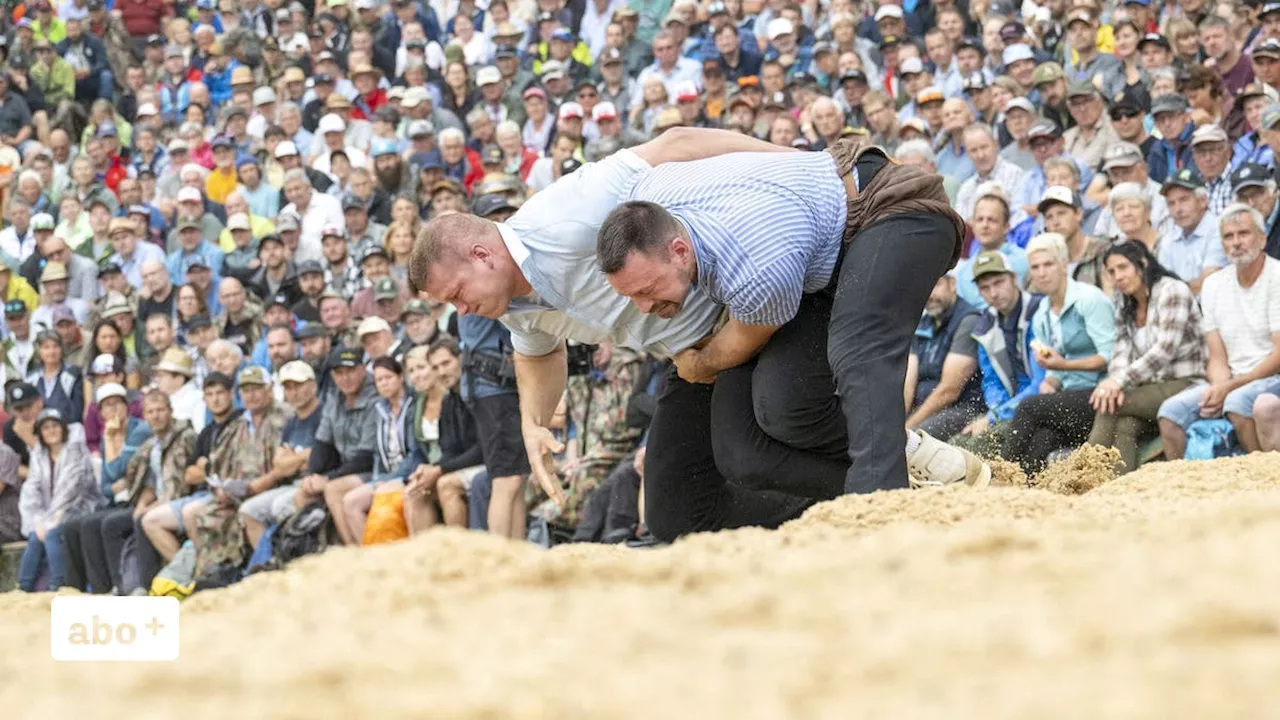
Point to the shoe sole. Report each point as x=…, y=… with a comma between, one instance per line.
x=983, y=479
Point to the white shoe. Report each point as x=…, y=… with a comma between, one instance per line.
x=935, y=463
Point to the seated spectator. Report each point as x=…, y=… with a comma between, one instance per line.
x=393, y=440
x=1131, y=206
x=1192, y=250
x=1060, y=206
x=10, y=489
x=59, y=487
x=1159, y=350
x=92, y=543
x=981, y=147
x=275, y=505
x=1266, y=415
x=58, y=383
x=1255, y=186
x=944, y=392
x=1075, y=330
x=164, y=523
x=1241, y=306
x=105, y=370
x=342, y=457
x=173, y=376
x=1007, y=363
x=446, y=452
x=990, y=227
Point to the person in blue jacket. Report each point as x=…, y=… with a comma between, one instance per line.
x=1005, y=361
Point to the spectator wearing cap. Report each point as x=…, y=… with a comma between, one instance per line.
x=101, y=370
x=990, y=223
x=1125, y=162
x=1045, y=141
x=1063, y=213
x=1253, y=101
x=378, y=299
x=1086, y=61
x=54, y=282
x=1241, y=306
x=423, y=323
x=1004, y=336
x=1266, y=53
x=1192, y=249
x=1092, y=134
x=785, y=47
x=913, y=81
x=1172, y=116
x=15, y=287
x=53, y=76
x=242, y=262
x=1255, y=186
x=191, y=244
x=615, y=85
x=1020, y=64
x=942, y=381
x=342, y=457
x=1212, y=152
x=60, y=486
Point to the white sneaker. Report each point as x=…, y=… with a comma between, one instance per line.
x=935, y=463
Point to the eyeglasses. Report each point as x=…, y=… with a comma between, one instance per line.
x=1118, y=115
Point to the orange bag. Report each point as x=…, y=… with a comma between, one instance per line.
x=386, y=519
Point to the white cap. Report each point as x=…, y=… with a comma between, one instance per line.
x=1016, y=52
x=263, y=96
x=604, y=109
x=892, y=11
x=331, y=123
x=296, y=371
x=571, y=110
x=414, y=96
x=103, y=364
x=239, y=221
x=780, y=26
x=147, y=109
x=911, y=65
x=110, y=390
x=190, y=194
x=372, y=324
x=1020, y=103
x=286, y=148
x=366, y=4
x=488, y=75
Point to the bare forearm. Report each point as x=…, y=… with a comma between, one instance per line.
x=942, y=397
x=688, y=144
x=541, y=381
x=733, y=345
x=1265, y=369
x=1093, y=363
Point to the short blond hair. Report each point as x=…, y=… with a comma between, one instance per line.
x=1050, y=242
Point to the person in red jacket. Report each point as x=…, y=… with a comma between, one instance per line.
x=366, y=77
x=143, y=18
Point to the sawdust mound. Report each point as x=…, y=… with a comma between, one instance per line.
x=1152, y=596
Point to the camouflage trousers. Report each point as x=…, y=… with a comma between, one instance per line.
x=220, y=537
x=597, y=405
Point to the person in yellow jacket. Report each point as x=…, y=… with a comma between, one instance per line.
x=258, y=225
x=16, y=287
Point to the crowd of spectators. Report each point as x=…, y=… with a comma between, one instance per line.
x=209, y=210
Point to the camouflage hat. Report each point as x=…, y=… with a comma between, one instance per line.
x=254, y=375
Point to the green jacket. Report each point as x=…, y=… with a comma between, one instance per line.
x=56, y=81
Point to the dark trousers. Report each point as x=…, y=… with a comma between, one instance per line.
x=145, y=554
x=883, y=282
x=1045, y=423
x=91, y=548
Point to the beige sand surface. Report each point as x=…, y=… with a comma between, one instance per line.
x=1152, y=596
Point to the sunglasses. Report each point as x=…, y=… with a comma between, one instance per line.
x=1118, y=115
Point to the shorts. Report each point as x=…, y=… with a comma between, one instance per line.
x=501, y=442
x=271, y=507
x=1184, y=408
x=468, y=474
x=176, y=506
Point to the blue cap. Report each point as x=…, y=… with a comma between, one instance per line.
x=562, y=34
x=246, y=160
x=427, y=161
x=383, y=146
x=205, y=4
x=107, y=129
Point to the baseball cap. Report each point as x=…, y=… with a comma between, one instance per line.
x=110, y=390
x=1133, y=99
x=288, y=222
x=552, y=70
x=222, y=380
x=15, y=307
x=1257, y=88
x=1250, y=175
x=1270, y=116
x=1158, y=39
x=20, y=395
x=42, y=221
x=421, y=128
x=254, y=375
x=969, y=41
x=991, y=262
x=914, y=123
x=562, y=34
x=374, y=250
x=331, y=123
x=1208, y=134
x=199, y=322
x=686, y=91
x=853, y=74
x=62, y=314
x=1079, y=14
x=1168, y=103
x=492, y=155
x=382, y=146
x=311, y=330
x=1012, y=31
x=1017, y=52
x=1268, y=9
x=188, y=222
x=488, y=75
x=1121, y=155
x=486, y=205
x=780, y=26
x=416, y=307
x=1184, y=178
x=1269, y=48
x=385, y=289
x=930, y=94
x=889, y=11
x=106, y=363
x=1060, y=195
x=372, y=324
x=264, y=96
x=1043, y=129
x=296, y=371
x=975, y=81
x=346, y=358
x=910, y=66
x=121, y=224
x=190, y=194
x=889, y=41
x=570, y=110
x=1080, y=88
x=239, y=221
x=611, y=56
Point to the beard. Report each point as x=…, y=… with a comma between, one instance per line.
x=389, y=179
x=1245, y=258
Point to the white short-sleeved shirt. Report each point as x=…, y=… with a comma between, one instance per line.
x=553, y=240
x=1246, y=318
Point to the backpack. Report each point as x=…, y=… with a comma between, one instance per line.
x=1208, y=439
x=304, y=533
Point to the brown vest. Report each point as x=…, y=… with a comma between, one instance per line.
x=896, y=189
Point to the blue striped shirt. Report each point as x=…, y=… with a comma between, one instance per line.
x=766, y=227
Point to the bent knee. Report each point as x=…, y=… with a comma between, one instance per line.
x=1266, y=408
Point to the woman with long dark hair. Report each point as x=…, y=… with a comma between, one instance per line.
x=59, y=384
x=107, y=339
x=1159, y=349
